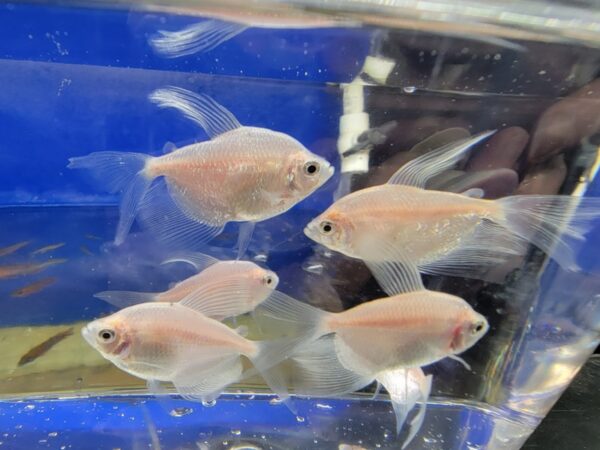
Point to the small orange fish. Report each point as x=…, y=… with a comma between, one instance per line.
x=243, y=174
x=41, y=349
x=171, y=342
x=447, y=233
x=47, y=248
x=222, y=289
x=13, y=248
x=33, y=288
x=16, y=270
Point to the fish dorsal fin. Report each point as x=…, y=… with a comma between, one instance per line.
x=418, y=171
x=214, y=118
x=439, y=139
x=200, y=261
x=396, y=277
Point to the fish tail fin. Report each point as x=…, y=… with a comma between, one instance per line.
x=119, y=172
x=554, y=223
x=123, y=299
x=300, y=323
x=196, y=38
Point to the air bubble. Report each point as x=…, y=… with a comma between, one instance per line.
x=180, y=412
x=209, y=404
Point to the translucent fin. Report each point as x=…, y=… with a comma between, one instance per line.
x=123, y=299
x=460, y=360
x=245, y=236
x=119, y=172
x=169, y=225
x=406, y=388
x=221, y=299
x=440, y=139
x=214, y=118
x=305, y=318
x=199, y=37
x=419, y=170
x=199, y=261
x=199, y=383
x=396, y=277
x=549, y=222
x=318, y=371
x=490, y=245
x=377, y=391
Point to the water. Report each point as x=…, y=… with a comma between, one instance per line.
x=77, y=81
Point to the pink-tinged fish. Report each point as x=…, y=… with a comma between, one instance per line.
x=413, y=327
x=47, y=248
x=221, y=289
x=447, y=233
x=4, y=251
x=243, y=174
x=16, y=270
x=170, y=342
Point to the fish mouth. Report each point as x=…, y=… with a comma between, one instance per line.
x=310, y=231
x=88, y=335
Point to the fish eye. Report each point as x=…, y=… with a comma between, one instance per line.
x=311, y=168
x=326, y=227
x=268, y=280
x=477, y=328
x=106, y=335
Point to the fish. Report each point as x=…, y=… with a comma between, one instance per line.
x=243, y=174
x=219, y=290
x=447, y=233
x=41, y=349
x=4, y=251
x=162, y=342
x=86, y=251
x=34, y=287
x=47, y=248
x=93, y=237
x=15, y=270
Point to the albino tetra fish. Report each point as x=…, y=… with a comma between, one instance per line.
x=221, y=289
x=412, y=328
x=448, y=233
x=172, y=342
x=243, y=174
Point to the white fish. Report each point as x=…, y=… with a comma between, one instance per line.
x=412, y=328
x=447, y=233
x=243, y=174
x=162, y=342
x=221, y=289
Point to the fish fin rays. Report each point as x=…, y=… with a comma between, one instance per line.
x=195, y=38
x=214, y=118
x=199, y=261
x=223, y=298
x=123, y=299
x=318, y=372
x=439, y=139
x=246, y=230
x=418, y=171
x=557, y=224
x=396, y=277
x=169, y=224
x=206, y=382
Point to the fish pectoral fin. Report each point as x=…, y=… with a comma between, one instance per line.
x=396, y=277
x=214, y=118
x=418, y=171
x=200, y=261
x=196, y=38
x=205, y=381
x=460, y=360
x=245, y=232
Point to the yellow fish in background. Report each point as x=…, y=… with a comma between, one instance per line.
x=172, y=342
x=33, y=288
x=445, y=233
x=221, y=289
x=47, y=248
x=15, y=270
x=243, y=174
x=4, y=251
